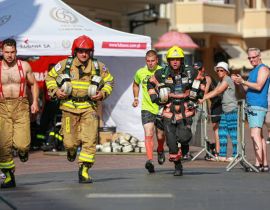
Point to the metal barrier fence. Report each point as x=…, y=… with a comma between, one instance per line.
x=201, y=137
x=199, y=130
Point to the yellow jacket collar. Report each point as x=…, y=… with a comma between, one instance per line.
x=87, y=67
x=79, y=63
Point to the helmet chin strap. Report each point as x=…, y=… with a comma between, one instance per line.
x=91, y=54
x=182, y=67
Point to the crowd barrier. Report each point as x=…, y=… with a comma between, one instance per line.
x=201, y=137
x=199, y=130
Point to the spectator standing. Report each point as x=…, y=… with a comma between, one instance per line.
x=215, y=107
x=267, y=118
x=256, y=88
x=228, y=121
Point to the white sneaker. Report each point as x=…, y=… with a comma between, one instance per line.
x=268, y=140
x=222, y=159
x=229, y=159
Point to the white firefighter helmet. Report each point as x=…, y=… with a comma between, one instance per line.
x=95, y=85
x=64, y=83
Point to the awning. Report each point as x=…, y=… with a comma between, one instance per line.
x=239, y=63
x=233, y=50
x=243, y=62
x=265, y=54
x=172, y=38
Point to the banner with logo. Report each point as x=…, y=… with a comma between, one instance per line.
x=49, y=27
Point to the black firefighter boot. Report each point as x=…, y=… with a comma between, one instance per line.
x=71, y=154
x=161, y=157
x=178, y=168
x=83, y=173
x=23, y=155
x=9, y=181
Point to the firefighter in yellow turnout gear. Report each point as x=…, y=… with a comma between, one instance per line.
x=15, y=109
x=79, y=82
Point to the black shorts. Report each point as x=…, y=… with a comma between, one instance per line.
x=148, y=117
x=216, y=109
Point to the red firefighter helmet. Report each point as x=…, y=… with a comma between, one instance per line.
x=82, y=42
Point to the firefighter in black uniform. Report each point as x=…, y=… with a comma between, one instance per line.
x=176, y=89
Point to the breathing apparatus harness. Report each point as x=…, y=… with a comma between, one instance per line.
x=179, y=81
x=95, y=81
x=195, y=87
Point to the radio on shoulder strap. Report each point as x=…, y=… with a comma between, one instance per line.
x=68, y=65
x=96, y=66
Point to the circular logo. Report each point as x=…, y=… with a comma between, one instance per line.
x=66, y=44
x=63, y=15
x=4, y=19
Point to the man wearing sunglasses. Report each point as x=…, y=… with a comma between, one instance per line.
x=256, y=88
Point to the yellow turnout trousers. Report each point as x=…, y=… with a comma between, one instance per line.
x=14, y=129
x=81, y=129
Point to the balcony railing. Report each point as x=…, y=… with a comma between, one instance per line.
x=256, y=23
x=205, y=18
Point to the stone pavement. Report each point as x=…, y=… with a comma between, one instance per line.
x=40, y=162
x=121, y=182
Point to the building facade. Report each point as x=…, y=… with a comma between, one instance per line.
x=223, y=29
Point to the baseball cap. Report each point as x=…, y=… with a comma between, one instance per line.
x=198, y=65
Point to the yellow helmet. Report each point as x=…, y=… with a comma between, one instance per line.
x=175, y=52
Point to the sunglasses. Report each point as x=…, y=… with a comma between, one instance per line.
x=249, y=58
x=220, y=70
x=80, y=51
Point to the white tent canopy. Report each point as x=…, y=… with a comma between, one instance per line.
x=48, y=27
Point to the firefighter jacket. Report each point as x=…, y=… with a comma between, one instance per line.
x=80, y=74
x=182, y=93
